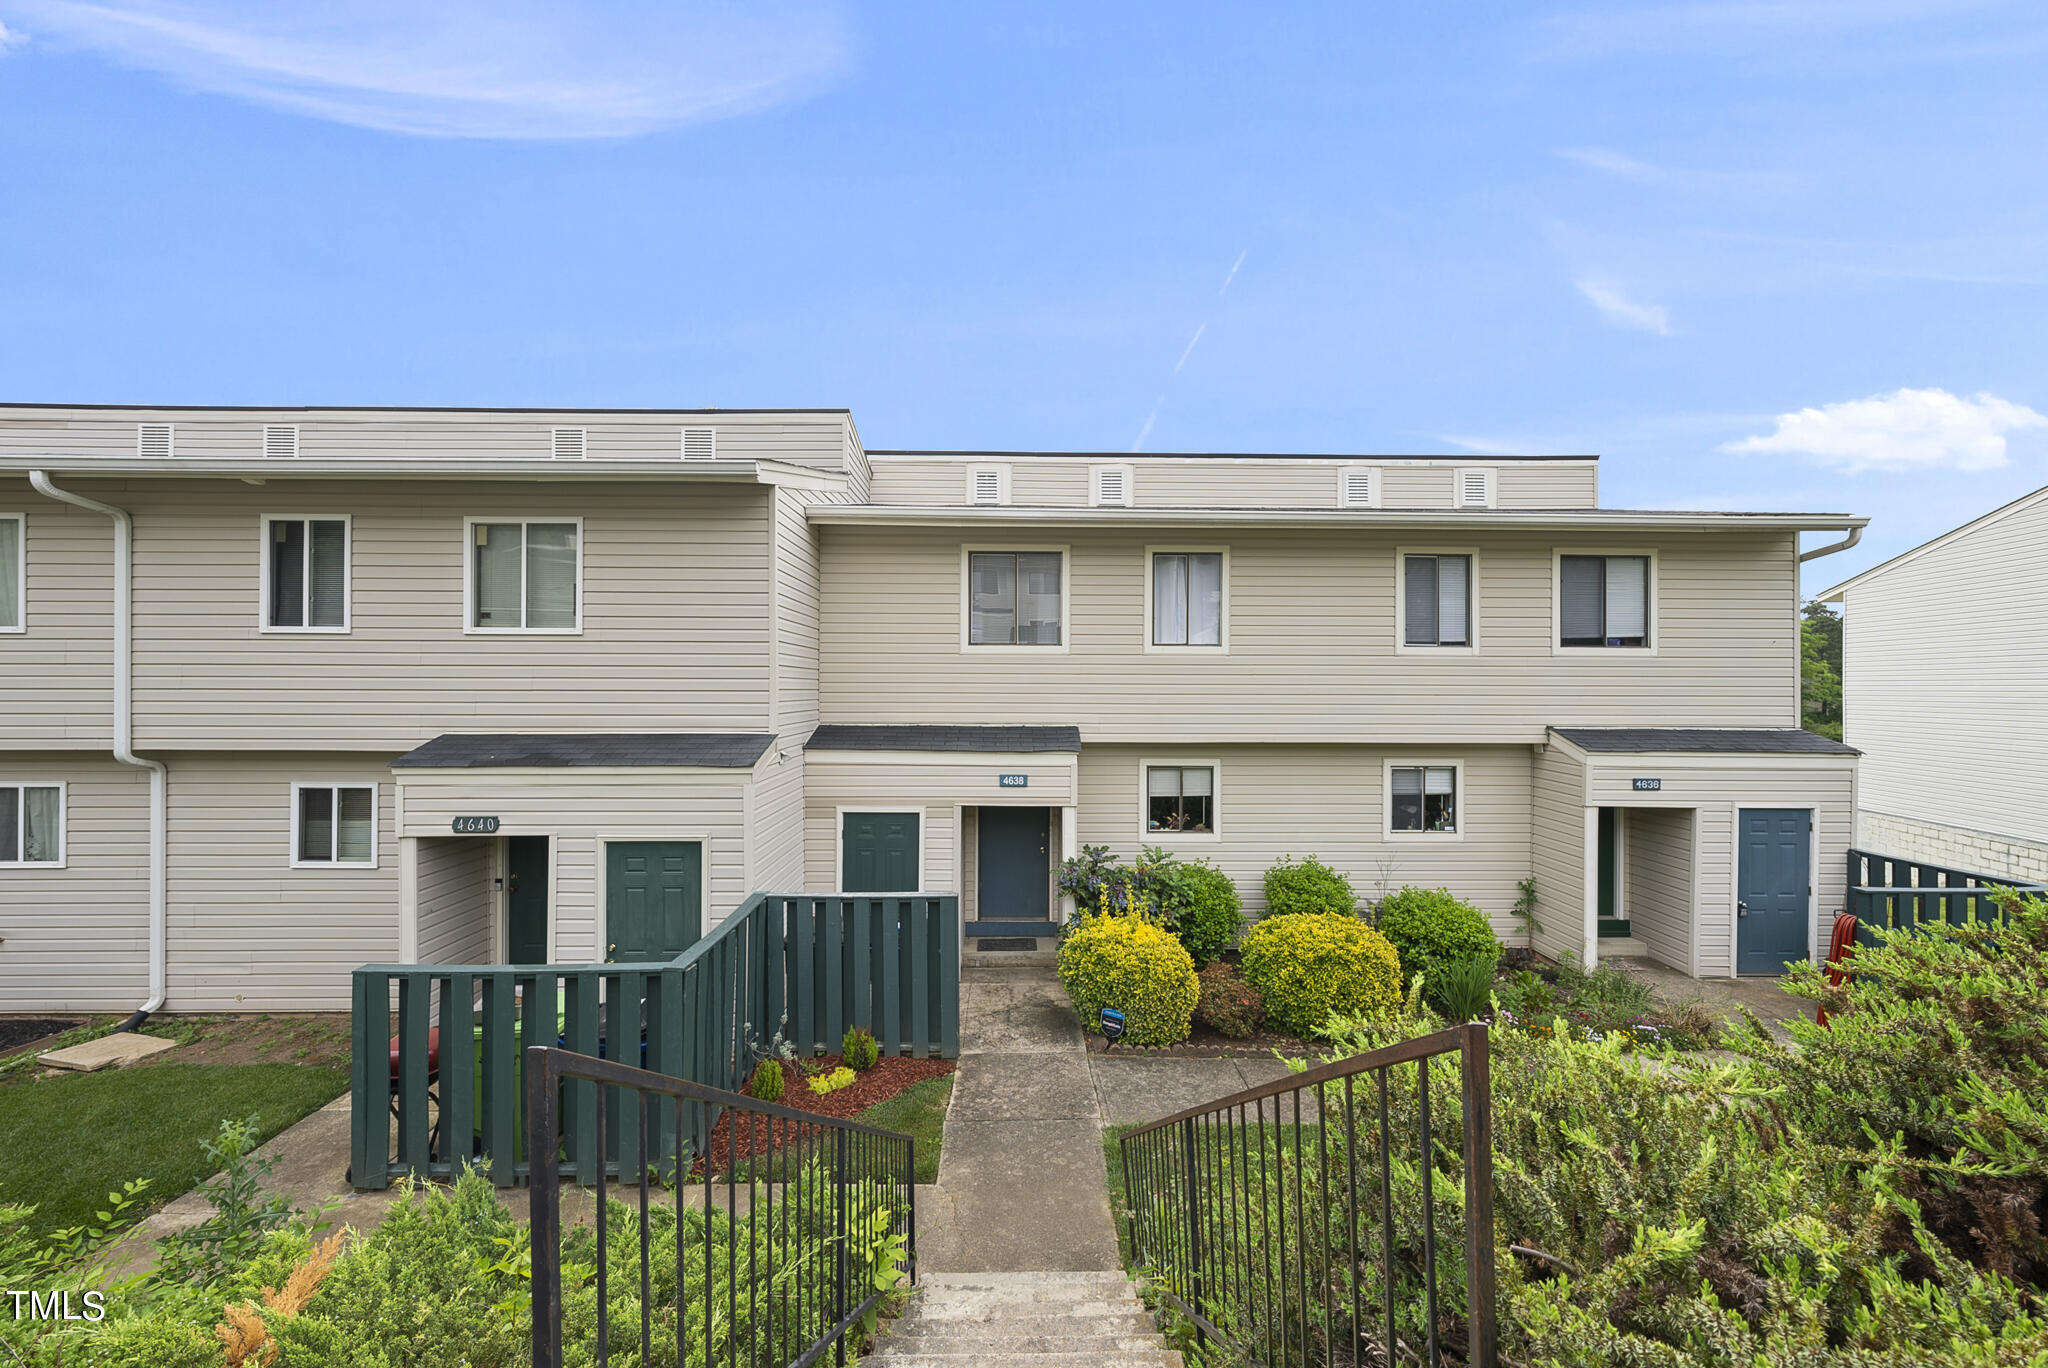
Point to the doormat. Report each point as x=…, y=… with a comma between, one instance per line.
x=1007, y=943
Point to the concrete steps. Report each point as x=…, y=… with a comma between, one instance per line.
x=1024, y=1320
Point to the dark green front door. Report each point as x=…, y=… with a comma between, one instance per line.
x=526, y=900
x=653, y=896
x=1606, y=857
x=878, y=852
x=1773, y=885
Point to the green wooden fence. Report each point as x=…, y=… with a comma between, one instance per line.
x=1890, y=891
x=446, y=1086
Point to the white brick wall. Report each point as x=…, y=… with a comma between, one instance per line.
x=1957, y=847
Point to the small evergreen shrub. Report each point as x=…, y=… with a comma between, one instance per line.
x=858, y=1048
x=1135, y=967
x=1305, y=886
x=1202, y=908
x=1228, y=1004
x=765, y=1085
x=1307, y=967
x=841, y=1077
x=1434, y=930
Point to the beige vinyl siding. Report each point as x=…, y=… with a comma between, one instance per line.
x=775, y=826
x=58, y=674
x=247, y=932
x=1223, y=482
x=815, y=440
x=1329, y=801
x=1660, y=882
x=455, y=900
x=675, y=610
x=797, y=628
x=1558, y=853
x=582, y=809
x=970, y=863
x=937, y=786
x=1960, y=742
x=77, y=938
x=1311, y=654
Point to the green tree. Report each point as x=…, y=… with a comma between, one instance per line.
x=1820, y=670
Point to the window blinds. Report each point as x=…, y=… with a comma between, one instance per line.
x=1628, y=584
x=1436, y=600
x=1450, y=600
x=1421, y=601
x=327, y=574
x=1581, y=612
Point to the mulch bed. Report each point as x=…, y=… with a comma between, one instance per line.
x=16, y=1032
x=891, y=1075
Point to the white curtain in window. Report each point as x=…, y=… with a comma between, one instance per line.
x=40, y=829
x=500, y=548
x=1580, y=612
x=1205, y=599
x=10, y=572
x=1038, y=598
x=551, y=575
x=1628, y=596
x=328, y=575
x=1169, y=600
x=353, y=843
x=1450, y=600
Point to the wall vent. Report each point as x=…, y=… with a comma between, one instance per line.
x=153, y=440
x=700, y=444
x=570, y=443
x=1110, y=486
x=988, y=484
x=281, y=440
x=1475, y=487
x=1358, y=487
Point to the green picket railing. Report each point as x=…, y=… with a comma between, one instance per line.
x=447, y=1086
x=1894, y=892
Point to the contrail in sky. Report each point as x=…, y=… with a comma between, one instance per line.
x=1186, y=352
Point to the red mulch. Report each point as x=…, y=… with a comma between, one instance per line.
x=891, y=1074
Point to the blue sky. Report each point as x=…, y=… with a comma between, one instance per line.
x=1759, y=254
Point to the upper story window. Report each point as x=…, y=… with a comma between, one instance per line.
x=1187, y=598
x=334, y=824
x=525, y=576
x=1015, y=598
x=1423, y=798
x=13, y=573
x=31, y=824
x=305, y=574
x=1436, y=599
x=1603, y=600
x=1180, y=799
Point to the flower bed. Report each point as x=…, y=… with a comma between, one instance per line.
x=890, y=1075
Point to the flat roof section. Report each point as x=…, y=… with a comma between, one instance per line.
x=1005, y=740
x=565, y=750
x=1702, y=741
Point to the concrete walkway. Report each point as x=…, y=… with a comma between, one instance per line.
x=1021, y=1178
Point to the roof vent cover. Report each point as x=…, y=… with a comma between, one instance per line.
x=1112, y=486
x=988, y=484
x=700, y=444
x=153, y=440
x=281, y=440
x=570, y=443
x=1358, y=487
x=1475, y=487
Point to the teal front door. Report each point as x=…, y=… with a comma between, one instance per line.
x=653, y=899
x=1773, y=886
x=878, y=852
x=526, y=900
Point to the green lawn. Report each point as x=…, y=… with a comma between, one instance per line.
x=919, y=1112
x=69, y=1140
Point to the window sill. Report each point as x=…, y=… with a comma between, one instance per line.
x=523, y=631
x=34, y=864
x=1403, y=648
x=1158, y=836
x=353, y=866
x=1157, y=648
x=1426, y=836
x=305, y=631
x=1602, y=651
x=973, y=648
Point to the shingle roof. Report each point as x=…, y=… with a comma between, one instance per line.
x=715, y=750
x=922, y=738
x=1704, y=740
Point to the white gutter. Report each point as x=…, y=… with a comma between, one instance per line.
x=1855, y=535
x=962, y=515
x=124, y=728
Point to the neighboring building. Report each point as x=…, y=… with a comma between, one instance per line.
x=462, y=686
x=1945, y=689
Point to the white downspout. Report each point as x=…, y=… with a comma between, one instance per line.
x=1855, y=535
x=124, y=730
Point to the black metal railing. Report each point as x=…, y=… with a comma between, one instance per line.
x=1328, y=1217
x=1890, y=891
x=768, y=1246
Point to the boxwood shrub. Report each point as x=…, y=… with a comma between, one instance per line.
x=1307, y=966
x=1434, y=930
x=1307, y=885
x=1135, y=967
x=1203, y=907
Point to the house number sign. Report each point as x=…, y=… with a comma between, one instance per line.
x=1647, y=785
x=474, y=826
x=1013, y=781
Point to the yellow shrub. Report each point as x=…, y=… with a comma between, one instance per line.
x=1135, y=967
x=1309, y=965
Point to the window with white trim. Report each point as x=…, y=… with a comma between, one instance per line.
x=1180, y=798
x=334, y=824
x=31, y=824
x=305, y=574
x=1436, y=600
x=1424, y=798
x=1013, y=598
x=1187, y=598
x=13, y=572
x=525, y=576
x=1603, y=600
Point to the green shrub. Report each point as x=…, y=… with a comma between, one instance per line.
x=1202, y=908
x=1135, y=967
x=1307, y=967
x=1228, y=1004
x=1297, y=887
x=858, y=1048
x=1462, y=989
x=765, y=1085
x=841, y=1077
x=1432, y=930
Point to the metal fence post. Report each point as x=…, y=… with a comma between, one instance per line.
x=845, y=1237
x=1187, y=1151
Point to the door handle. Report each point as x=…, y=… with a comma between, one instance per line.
x=1742, y=909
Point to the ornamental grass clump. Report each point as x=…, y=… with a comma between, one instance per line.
x=1135, y=967
x=1308, y=967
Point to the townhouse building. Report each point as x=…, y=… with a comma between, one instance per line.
x=292, y=690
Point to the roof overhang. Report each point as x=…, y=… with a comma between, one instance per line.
x=258, y=470
x=913, y=515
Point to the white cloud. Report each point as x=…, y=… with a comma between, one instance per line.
x=1908, y=429
x=11, y=38
x=523, y=69
x=1618, y=308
